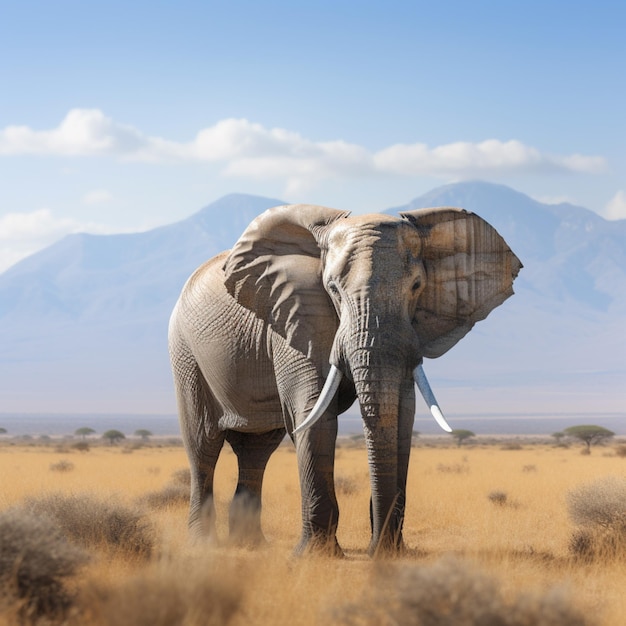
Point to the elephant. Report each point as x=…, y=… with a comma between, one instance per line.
x=312, y=309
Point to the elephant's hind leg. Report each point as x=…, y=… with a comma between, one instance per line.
x=198, y=414
x=253, y=452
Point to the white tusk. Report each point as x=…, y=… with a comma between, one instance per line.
x=325, y=398
x=422, y=383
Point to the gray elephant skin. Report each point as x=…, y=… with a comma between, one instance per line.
x=310, y=310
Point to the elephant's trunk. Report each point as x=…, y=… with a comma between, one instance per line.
x=379, y=391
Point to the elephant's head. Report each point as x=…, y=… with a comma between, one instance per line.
x=387, y=291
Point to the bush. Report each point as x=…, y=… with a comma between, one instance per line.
x=600, y=509
x=34, y=561
x=452, y=593
x=164, y=595
x=600, y=503
x=81, y=446
x=498, y=497
x=171, y=495
x=620, y=450
x=182, y=477
x=97, y=523
x=62, y=466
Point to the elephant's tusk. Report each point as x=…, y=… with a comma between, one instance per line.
x=422, y=383
x=327, y=394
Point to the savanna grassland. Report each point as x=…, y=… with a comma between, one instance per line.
x=487, y=526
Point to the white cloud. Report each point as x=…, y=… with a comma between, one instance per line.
x=246, y=149
x=97, y=196
x=616, y=208
x=81, y=132
x=21, y=234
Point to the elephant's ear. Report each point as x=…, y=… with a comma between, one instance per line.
x=469, y=271
x=275, y=270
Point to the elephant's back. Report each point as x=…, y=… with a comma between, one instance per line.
x=229, y=343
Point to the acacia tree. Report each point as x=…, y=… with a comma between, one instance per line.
x=589, y=433
x=143, y=433
x=3, y=431
x=113, y=436
x=461, y=435
x=84, y=432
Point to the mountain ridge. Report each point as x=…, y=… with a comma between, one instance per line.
x=83, y=323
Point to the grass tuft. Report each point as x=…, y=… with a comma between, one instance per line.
x=165, y=594
x=96, y=523
x=62, y=466
x=452, y=592
x=499, y=498
x=35, y=560
x=171, y=495
x=599, y=509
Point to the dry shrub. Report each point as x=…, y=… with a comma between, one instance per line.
x=598, y=544
x=600, y=503
x=452, y=593
x=512, y=446
x=498, y=497
x=35, y=559
x=529, y=468
x=173, y=494
x=81, y=446
x=165, y=594
x=97, y=523
x=600, y=509
x=620, y=450
x=182, y=477
x=62, y=466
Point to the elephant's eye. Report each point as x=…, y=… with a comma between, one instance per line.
x=333, y=289
x=417, y=285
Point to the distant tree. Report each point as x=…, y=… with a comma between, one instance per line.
x=143, y=433
x=3, y=431
x=84, y=432
x=558, y=436
x=113, y=436
x=589, y=433
x=461, y=435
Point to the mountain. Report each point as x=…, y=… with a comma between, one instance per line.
x=83, y=323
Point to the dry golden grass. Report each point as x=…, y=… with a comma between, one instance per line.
x=523, y=543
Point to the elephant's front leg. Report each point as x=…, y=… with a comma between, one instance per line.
x=406, y=419
x=320, y=513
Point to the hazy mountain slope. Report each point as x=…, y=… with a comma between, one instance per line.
x=83, y=323
x=95, y=277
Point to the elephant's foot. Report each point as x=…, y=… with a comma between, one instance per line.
x=202, y=522
x=387, y=547
x=245, y=536
x=319, y=543
x=244, y=521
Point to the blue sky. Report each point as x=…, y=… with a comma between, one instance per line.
x=120, y=116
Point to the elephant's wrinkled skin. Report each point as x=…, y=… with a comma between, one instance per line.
x=256, y=329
